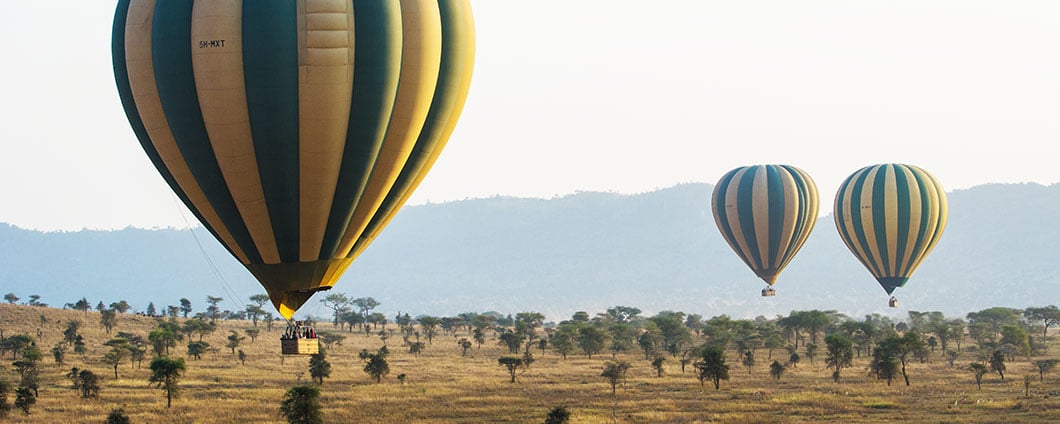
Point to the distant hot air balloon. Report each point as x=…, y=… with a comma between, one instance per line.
x=294, y=130
x=891, y=216
x=765, y=213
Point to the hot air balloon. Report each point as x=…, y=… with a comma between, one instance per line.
x=891, y=216
x=765, y=213
x=294, y=130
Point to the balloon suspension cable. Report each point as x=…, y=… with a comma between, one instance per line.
x=227, y=288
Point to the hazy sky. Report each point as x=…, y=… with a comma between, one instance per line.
x=604, y=95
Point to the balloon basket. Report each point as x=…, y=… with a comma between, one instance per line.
x=300, y=347
x=768, y=292
x=893, y=302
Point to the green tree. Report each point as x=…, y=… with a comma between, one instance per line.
x=591, y=340
x=242, y=357
x=151, y=311
x=657, y=363
x=840, y=353
x=997, y=363
x=980, y=370
x=121, y=306
x=197, y=349
x=465, y=345
x=16, y=344
x=512, y=340
x=377, y=366
x=24, y=398
x=512, y=363
x=1049, y=316
x=213, y=311
x=1016, y=337
x=615, y=373
x=254, y=332
x=185, y=306
x=563, y=340
x=301, y=405
x=88, y=383
x=234, y=340
x=319, y=367
x=117, y=416
x=11, y=298
x=558, y=415
x=117, y=353
x=776, y=369
x=811, y=351
x=166, y=373
x=1044, y=366
x=5, y=390
x=429, y=326
x=108, y=318
x=59, y=352
x=712, y=366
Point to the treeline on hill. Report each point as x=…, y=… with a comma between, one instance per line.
x=979, y=343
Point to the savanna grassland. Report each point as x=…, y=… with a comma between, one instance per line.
x=442, y=386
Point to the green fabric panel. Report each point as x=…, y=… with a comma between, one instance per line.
x=923, y=238
x=778, y=206
x=905, y=206
x=377, y=61
x=723, y=218
x=745, y=212
x=879, y=219
x=445, y=95
x=171, y=53
x=854, y=210
x=270, y=69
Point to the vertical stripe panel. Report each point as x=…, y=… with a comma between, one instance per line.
x=454, y=81
x=217, y=58
x=325, y=83
x=139, y=46
x=270, y=71
x=420, y=60
x=909, y=234
x=377, y=54
x=174, y=75
x=725, y=211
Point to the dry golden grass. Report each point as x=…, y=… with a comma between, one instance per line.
x=443, y=387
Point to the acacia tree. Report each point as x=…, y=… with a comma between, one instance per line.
x=185, y=306
x=615, y=373
x=657, y=363
x=512, y=363
x=166, y=373
x=711, y=366
x=377, y=366
x=1044, y=366
x=11, y=298
x=301, y=405
x=319, y=367
x=776, y=369
x=997, y=363
x=980, y=370
x=1048, y=315
x=108, y=318
x=840, y=353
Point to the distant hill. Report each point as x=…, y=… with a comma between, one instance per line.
x=587, y=251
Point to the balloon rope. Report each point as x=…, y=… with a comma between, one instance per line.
x=229, y=291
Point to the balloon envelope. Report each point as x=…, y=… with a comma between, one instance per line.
x=891, y=216
x=293, y=130
x=765, y=213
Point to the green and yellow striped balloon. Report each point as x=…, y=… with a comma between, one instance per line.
x=891, y=216
x=765, y=213
x=293, y=129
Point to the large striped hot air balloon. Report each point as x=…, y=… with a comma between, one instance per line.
x=891, y=216
x=293, y=129
x=765, y=213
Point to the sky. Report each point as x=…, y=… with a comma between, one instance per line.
x=603, y=95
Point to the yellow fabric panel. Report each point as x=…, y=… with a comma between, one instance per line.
x=325, y=74
x=813, y=204
x=733, y=216
x=149, y=105
x=787, y=229
x=848, y=223
x=465, y=86
x=222, y=98
x=916, y=211
x=421, y=56
x=867, y=223
x=760, y=210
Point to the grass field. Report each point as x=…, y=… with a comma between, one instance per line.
x=443, y=387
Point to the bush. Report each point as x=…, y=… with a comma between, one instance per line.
x=117, y=416
x=558, y=415
x=301, y=405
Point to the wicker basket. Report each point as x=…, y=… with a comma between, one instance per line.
x=300, y=347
